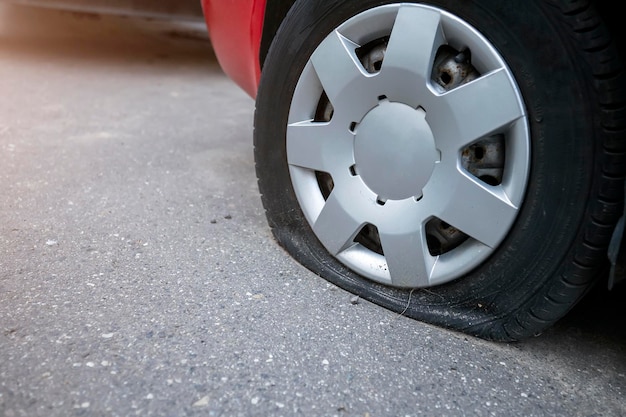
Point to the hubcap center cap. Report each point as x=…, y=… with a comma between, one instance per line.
x=395, y=150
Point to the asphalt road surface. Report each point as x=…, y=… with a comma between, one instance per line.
x=138, y=275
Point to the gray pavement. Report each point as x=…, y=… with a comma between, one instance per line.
x=138, y=275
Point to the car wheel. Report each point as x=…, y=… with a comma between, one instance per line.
x=460, y=163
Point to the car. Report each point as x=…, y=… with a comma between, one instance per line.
x=459, y=162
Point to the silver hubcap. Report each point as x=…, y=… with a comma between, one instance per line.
x=408, y=145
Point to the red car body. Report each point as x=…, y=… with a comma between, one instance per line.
x=236, y=29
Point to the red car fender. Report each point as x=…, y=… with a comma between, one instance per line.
x=235, y=29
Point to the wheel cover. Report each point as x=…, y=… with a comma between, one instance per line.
x=393, y=162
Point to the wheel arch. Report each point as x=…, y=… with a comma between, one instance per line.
x=275, y=12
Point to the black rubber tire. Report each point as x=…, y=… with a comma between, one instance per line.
x=571, y=78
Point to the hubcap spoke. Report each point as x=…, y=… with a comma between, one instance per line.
x=318, y=146
x=409, y=262
x=413, y=43
x=335, y=227
x=473, y=111
x=339, y=70
x=480, y=211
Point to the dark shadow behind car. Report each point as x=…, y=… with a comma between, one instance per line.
x=180, y=9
